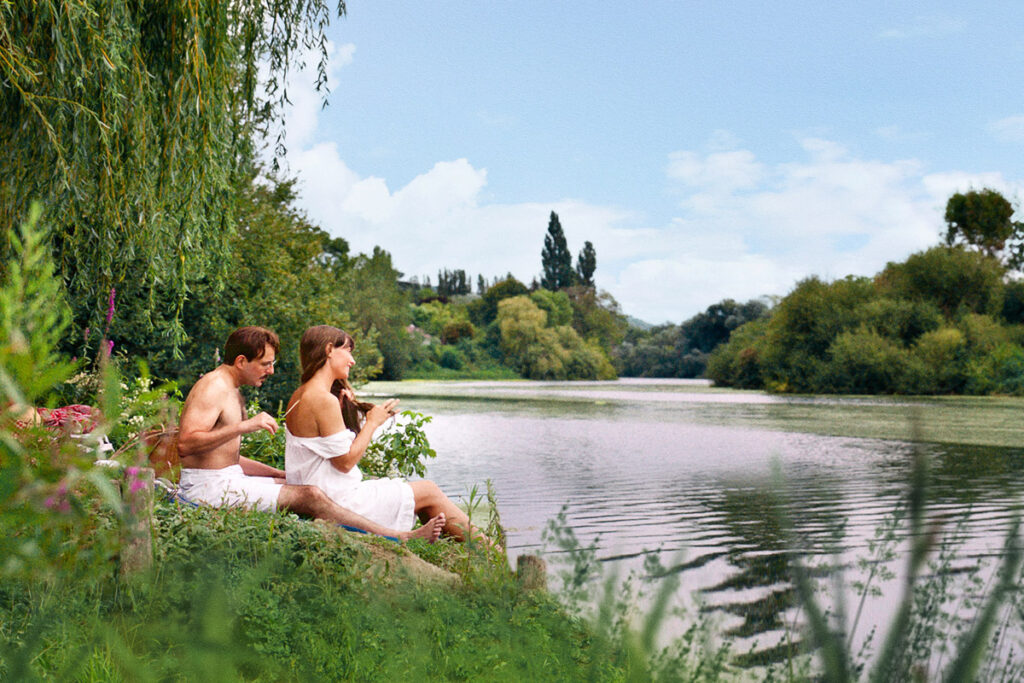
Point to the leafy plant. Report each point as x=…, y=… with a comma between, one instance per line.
x=48, y=494
x=400, y=448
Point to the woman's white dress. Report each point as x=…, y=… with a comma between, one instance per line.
x=388, y=502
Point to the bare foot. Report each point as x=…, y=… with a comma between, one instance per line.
x=429, y=531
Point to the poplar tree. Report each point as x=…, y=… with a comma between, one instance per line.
x=586, y=264
x=555, y=258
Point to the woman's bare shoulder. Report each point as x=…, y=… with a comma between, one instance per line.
x=310, y=409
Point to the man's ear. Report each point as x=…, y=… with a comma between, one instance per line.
x=239, y=360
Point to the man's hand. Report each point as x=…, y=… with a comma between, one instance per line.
x=258, y=422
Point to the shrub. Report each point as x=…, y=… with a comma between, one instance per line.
x=450, y=359
x=737, y=363
x=902, y=320
x=803, y=327
x=942, y=352
x=555, y=304
x=999, y=371
x=456, y=330
x=955, y=279
x=864, y=362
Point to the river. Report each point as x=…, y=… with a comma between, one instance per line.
x=695, y=474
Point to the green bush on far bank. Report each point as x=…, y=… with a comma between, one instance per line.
x=942, y=322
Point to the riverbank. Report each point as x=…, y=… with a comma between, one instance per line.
x=241, y=595
x=966, y=420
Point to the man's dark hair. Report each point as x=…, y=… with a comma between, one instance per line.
x=250, y=342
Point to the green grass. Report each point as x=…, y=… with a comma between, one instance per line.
x=249, y=596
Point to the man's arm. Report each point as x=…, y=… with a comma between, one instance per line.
x=198, y=433
x=255, y=468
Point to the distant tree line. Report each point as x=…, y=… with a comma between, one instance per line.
x=682, y=350
x=560, y=327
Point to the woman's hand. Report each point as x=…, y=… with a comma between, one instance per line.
x=379, y=414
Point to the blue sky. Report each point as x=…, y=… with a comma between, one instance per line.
x=707, y=149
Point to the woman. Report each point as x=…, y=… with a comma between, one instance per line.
x=325, y=439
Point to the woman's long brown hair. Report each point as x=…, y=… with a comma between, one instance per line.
x=313, y=355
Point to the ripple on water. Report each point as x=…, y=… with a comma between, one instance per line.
x=648, y=476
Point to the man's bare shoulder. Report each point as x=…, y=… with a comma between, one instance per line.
x=214, y=384
x=213, y=394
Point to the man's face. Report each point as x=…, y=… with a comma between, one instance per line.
x=256, y=370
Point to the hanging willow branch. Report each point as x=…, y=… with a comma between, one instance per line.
x=131, y=120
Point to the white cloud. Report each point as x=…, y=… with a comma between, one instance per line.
x=747, y=234
x=924, y=27
x=743, y=228
x=1010, y=129
x=721, y=171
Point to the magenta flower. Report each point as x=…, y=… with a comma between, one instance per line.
x=110, y=306
x=137, y=484
x=59, y=500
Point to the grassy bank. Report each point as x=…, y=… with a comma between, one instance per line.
x=240, y=595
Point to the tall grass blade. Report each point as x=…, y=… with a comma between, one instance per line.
x=972, y=648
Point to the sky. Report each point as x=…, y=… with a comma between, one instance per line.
x=708, y=150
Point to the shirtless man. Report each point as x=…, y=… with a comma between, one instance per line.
x=212, y=423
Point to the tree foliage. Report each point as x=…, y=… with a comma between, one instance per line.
x=485, y=309
x=556, y=260
x=130, y=123
x=682, y=350
x=453, y=282
x=538, y=350
x=951, y=277
x=928, y=325
x=282, y=277
x=984, y=220
x=586, y=264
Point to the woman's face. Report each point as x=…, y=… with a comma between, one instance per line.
x=341, y=360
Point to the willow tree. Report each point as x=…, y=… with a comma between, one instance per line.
x=132, y=123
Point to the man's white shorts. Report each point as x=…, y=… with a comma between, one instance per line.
x=229, y=487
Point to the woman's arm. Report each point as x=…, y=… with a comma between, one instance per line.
x=377, y=416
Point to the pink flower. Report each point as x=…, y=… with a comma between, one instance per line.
x=110, y=306
x=59, y=500
x=137, y=484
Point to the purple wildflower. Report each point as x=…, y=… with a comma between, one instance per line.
x=110, y=306
x=59, y=500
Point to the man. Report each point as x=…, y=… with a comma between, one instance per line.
x=210, y=436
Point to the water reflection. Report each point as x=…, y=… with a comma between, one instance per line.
x=688, y=473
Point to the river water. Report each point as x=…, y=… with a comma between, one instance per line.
x=694, y=475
